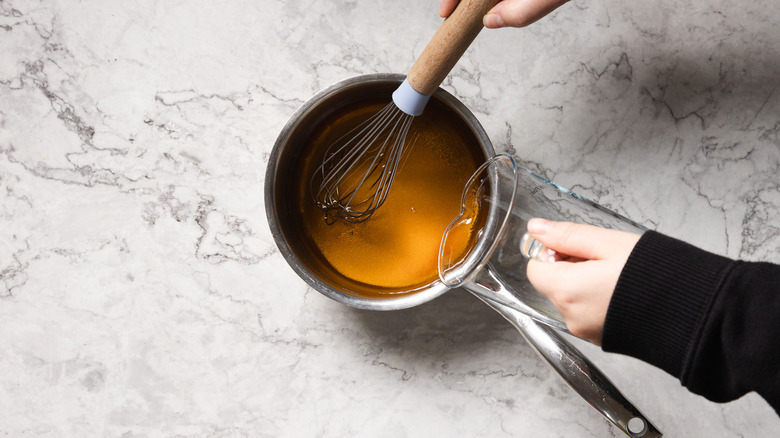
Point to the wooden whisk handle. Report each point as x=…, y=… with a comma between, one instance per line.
x=447, y=45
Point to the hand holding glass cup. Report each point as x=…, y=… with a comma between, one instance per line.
x=499, y=199
x=497, y=202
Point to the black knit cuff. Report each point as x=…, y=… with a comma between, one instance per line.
x=661, y=298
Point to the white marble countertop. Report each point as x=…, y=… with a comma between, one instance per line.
x=141, y=293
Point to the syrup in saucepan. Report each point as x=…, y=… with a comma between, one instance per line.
x=395, y=251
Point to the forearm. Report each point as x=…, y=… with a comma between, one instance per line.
x=710, y=321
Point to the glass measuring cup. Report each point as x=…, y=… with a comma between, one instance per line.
x=497, y=202
x=499, y=199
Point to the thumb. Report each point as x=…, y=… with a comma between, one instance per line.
x=577, y=240
x=519, y=13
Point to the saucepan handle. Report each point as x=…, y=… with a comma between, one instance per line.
x=580, y=373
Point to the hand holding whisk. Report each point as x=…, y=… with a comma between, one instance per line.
x=358, y=169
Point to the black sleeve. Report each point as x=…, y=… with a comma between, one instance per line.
x=710, y=321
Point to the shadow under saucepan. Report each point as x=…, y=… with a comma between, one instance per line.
x=455, y=325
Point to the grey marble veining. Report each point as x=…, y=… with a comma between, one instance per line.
x=141, y=293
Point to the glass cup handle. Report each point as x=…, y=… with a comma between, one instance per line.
x=533, y=249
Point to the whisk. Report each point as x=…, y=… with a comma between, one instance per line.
x=358, y=169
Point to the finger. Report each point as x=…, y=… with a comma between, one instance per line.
x=539, y=275
x=561, y=283
x=519, y=13
x=553, y=280
x=582, y=241
x=573, y=280
x=580, y=291
x=446, y=7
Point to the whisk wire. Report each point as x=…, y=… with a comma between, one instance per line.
x=353, y=168
x=356, y=135
x=382, y=161
x=358, y=169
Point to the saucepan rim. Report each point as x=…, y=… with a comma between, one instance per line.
x=389, y=302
